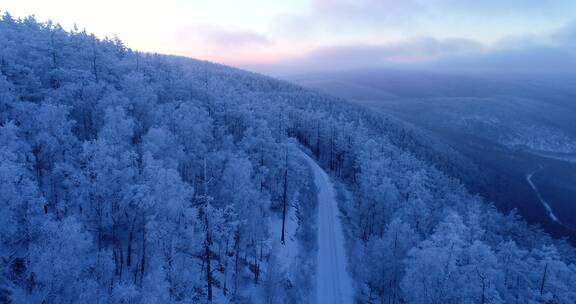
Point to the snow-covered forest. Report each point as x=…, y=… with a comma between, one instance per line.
x=130, y=177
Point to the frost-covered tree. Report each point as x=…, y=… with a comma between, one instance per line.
x=128, y=177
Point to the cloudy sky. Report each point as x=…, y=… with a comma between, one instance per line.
x=320, y=34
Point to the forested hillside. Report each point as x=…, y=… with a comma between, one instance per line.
x=142, y=178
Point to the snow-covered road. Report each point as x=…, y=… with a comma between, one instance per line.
x=544, y=203
x=333, y=282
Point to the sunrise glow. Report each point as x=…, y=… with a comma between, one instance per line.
x=265, y=32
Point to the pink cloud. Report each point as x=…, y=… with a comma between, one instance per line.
x=208, y=36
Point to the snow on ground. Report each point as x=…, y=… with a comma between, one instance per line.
x=567, y=157
x=287, y=253
x=333, y=282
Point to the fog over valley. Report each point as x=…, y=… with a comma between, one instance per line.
x=513, y=126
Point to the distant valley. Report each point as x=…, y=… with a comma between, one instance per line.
x=510, y=125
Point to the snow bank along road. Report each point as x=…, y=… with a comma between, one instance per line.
x=333, y=282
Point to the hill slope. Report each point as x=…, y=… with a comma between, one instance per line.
x=142, y=178
x=508, y=124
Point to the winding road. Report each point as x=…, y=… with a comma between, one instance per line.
x=544, y=203
x=333, y=282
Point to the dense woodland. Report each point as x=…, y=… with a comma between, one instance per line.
x=141, y=178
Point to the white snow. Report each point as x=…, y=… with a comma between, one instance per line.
x=567, y=157
x=544, y=203
x=286, y=253
x=333, y=282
